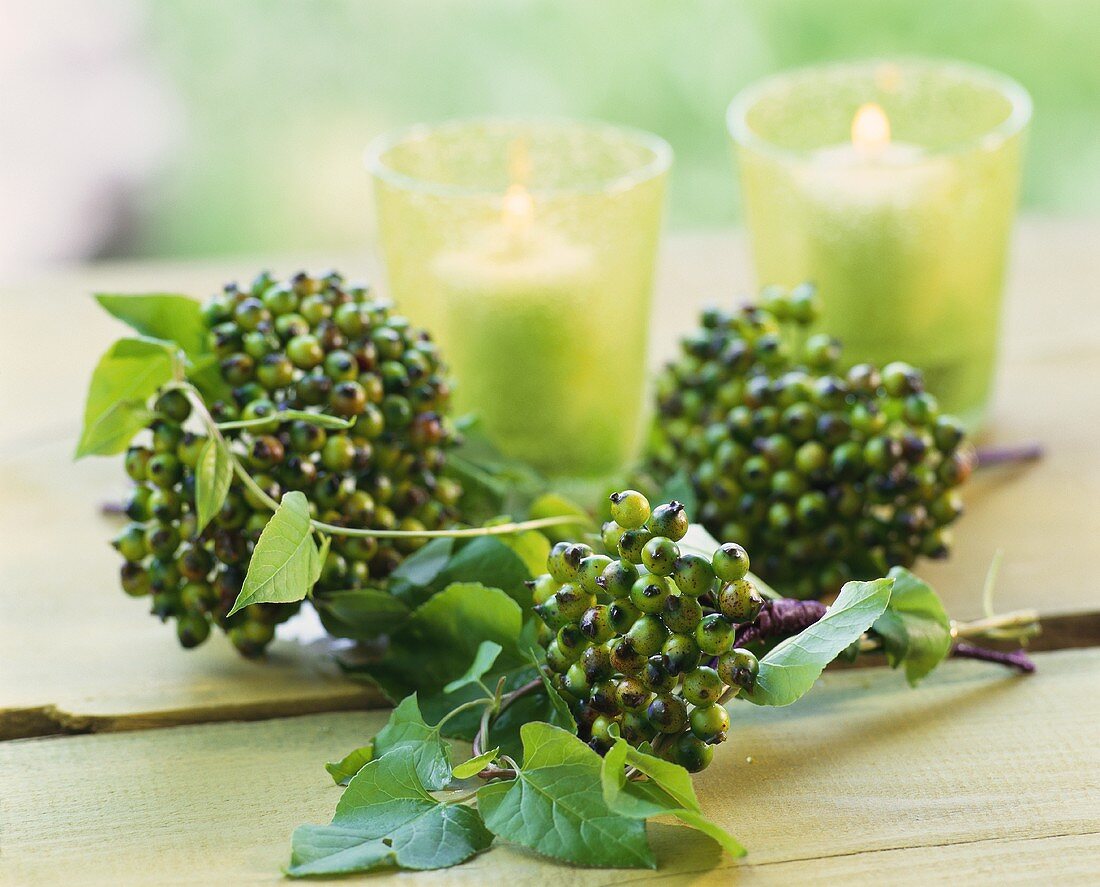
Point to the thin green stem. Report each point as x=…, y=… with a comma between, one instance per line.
x=466, y=706
x=361, y=532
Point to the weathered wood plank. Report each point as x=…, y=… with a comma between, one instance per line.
x=79, y=656
x=977, y=775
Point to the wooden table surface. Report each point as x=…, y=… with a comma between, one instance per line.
x=977, y=775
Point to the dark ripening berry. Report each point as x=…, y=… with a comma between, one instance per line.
x=667, y=713
x=691, y=753
x=596, y=624
x=681, y=652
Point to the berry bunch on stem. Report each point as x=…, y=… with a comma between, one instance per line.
x=827, y=474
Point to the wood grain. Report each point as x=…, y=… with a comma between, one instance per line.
x=80, y=656
x=976, y=776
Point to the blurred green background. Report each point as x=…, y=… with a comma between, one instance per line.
x=270, y=102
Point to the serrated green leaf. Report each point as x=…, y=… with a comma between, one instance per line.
x=125, y=378
x=343, y=770
x=406, y=728
x=285, y=563
x=556, y=806
x=486, y=655
x=385, y=818
x=475, y=765
x=213, y=475
x=321, y=420
x=441, y=637
x=361, y=614
x=794, y=664
x=668, y=791
x=167, y=316
x=915, y=629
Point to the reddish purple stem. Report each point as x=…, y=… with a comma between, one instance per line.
x=781, y=618
x=1017, y=659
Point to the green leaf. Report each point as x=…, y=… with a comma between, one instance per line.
x=321, y=420
x=556, y=805
x=166, y=316
x=343, y=770
x=421, y=567
x=531, y=547
x=204, y=372
x=475, y=765
x=386, y=818
x=406, y=728
x=125, y=378
x=794, y=664
x=485, y=560
x=668, y=791
x=698, y=540
x=285, y=563
x=915, y=629
x=442, y=636
x=213, y=474
x=361, y=614
x=486, y=655
x=562, y=716
x=680, y=488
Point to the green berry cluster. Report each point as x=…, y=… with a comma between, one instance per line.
x=313, y=343
x=825, y=474
x=643, y=637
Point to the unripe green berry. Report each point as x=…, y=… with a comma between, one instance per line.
x=611, y=533
x=571, y=641
x=597, y=662
x=629, y=509
x=710, y=723
x=682, y=613
x=714, y=634
x=681, y=652
x=618, y=578
x=693, y=574
x=648, y=635
x=631, y=544
x=130, y=543
x=164, y=470
x=542, y=588
x=739, y=668
x=137, y=458
x=659, y=555
x=575, y=680
x=670, y=521
x=740, y=600
x=565, y=559
x=622, y=614
x=650, y=592
x=731, y=562
x=703, y=686
x=173, y=405
x=590, y=570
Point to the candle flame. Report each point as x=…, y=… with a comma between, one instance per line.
x=870, y=129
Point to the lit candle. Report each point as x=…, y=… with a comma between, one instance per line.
x=515, y=297
x=905, y=238
x=527, y=248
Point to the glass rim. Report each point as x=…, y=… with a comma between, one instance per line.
x=1018, y=117
x=657, y=165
